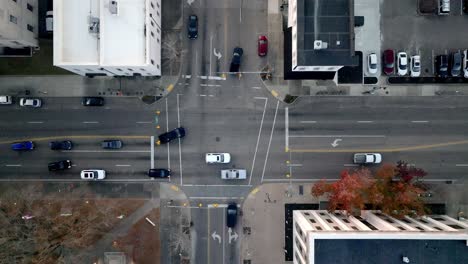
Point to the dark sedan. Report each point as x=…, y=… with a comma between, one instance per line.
x=111, y=144
x=231, y=215
x=60, y=165
x=192, y=27
x=92, y=101
x=171, y=135
x=159, y=173
x=61, y=145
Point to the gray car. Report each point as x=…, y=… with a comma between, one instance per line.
x=456, y=64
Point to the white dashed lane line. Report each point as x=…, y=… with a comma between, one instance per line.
x=90, y=122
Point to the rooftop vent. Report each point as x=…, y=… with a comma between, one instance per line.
x=113, y=7
x=319, y=45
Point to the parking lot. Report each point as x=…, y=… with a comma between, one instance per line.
x=403, y=28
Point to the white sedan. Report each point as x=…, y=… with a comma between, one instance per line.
x=93, y=174
x=402, y=62
x=30, y=102
x=372, y=63
x=415, y=66
x=212, y=158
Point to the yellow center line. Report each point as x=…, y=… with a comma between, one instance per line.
x=75, y=137
x=400, y=149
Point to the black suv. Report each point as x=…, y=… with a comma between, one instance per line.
x=171, y=135
x=159, y=173
x=60, y=165
x=92, y=101
x=231, y=215
x=442, y=65
x=192, y=27
x=61, y=145
x=236, y=60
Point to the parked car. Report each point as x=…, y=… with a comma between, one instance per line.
x=236, y=60
x=211, y=158
x=234, y=174
x=444, y=7
x=60, y=165
x=367, y=158
x=442, y=65
x=456, y=64
x=61, y=145
x=372, y=63
x=30, y=102
x=415, y=66
x=465, y=63
x=25, y=145
x=388, y=61
x=192, y=27
x=6, y=100
x=111, y=144
x=262, y=46
x=402, y=61
x=159, y=173
x=92, y=101
x=231, y=215
x=171, y=135
x=93, y=174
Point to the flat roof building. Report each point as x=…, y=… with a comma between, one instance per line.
x=108, y=37
x=323, y=237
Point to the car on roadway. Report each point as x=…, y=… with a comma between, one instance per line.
x=234, y=174
x=465, y=63
x=111, y=144
x=25, y=145
x=236, y=60
x=367, y=158
x=61, y=145
x=372, y=63
x=402, y=63
x=30, y=102
x=92, y=101
x=93, y=174
x=456, y=64
x=49, y=21
x=388, y=61
x=171, y=135
x=442, y=65
x=159, y=173
x=262, y=46
x=6, y=100
x=60, y=165
x=212, y=158
x=415, y=66
x=231, y=215
x=192, y=27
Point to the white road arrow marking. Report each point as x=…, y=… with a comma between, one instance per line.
x=232, y=236
x=335, y=143
x=190, y=2
x=216, y=236
x=217, y=54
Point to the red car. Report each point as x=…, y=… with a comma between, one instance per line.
x=388, y=61
x=262, y=46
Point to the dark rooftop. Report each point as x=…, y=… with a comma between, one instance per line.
x=377, y=251
x=331, y=21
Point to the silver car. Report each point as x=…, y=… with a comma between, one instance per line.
x=234, y=174
x=212, y=158
x=30, y=102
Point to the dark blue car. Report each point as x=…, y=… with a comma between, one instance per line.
x=26, y=145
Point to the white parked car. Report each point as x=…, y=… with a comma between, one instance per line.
x=402, y=63
x=372, y=63
x=212, y=158
x=415, y=66
x=30, y=102
x=5, y=99
x=233, y=174
x=465, y=63
x=93, y=174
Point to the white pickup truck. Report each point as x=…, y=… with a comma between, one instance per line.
x=367, y=158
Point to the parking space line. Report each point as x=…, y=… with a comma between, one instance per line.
x=286, y=124
x=294, y=165
x=433, y=62
x=152, y=152
x=123, y=165
x=258, y=141
x=178, y=111
x=144, y=122
x=307, y=122
x=180, y=163
x=269, y=142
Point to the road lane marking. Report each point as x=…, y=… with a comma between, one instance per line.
x=260, y=98
x=152, y=152
x=35, y=122
x=307, y=122
x=337, y=136
x=210, y=85
x=13, y=165
x=461, y=165
x=180, y=163
x=90, y=122
x=258, y=141
x=401, y=149
x=351, y=165
x=123, y=165
x=218, y=185
x=202, y=94
x=269, y=142
x=167, y=130
x=73, y=180
x=144, y=122
x=106, y=151
x=75, y=137
x=294, y=165
x=420, y=121
x=178, y=112
x=299, y=180
x=256, y=87
x=286, y=125
x=365, y=121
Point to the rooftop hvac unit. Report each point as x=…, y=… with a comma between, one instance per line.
x=93, y=25
x=319, y=45
x=113, y=7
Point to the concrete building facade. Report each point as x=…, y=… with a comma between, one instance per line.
x=108, y=37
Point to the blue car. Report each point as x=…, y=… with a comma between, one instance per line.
x=26, y=145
